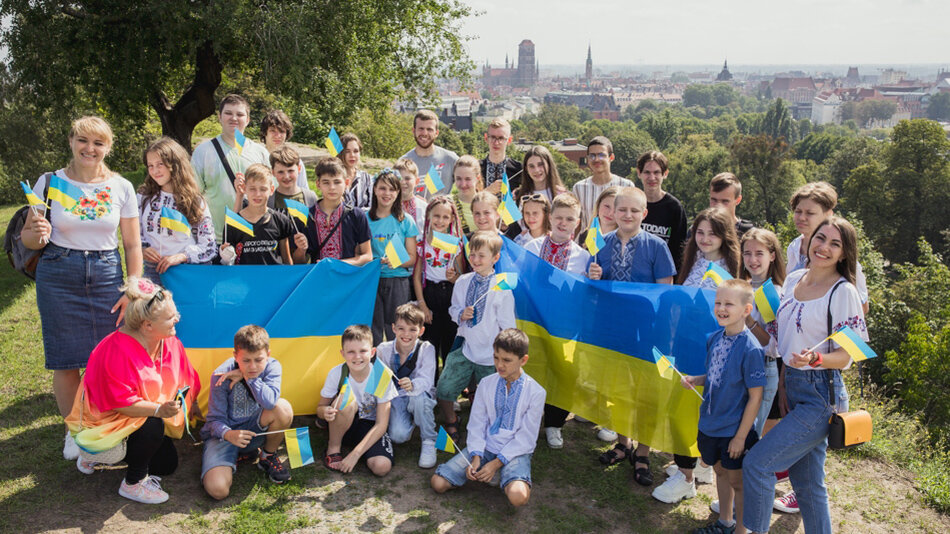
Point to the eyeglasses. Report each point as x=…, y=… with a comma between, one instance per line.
x=497, y=139
x=598, y=156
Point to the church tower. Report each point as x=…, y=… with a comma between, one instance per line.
x=589, y=71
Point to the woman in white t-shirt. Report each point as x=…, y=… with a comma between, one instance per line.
x=817, y=301
x=79, y=273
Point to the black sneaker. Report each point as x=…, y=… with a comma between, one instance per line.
x=270, y=464
x=249, y=457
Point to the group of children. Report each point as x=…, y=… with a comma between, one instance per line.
x=458, y=334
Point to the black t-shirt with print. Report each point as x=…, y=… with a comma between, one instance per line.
x=262, y=249
x=666, y=219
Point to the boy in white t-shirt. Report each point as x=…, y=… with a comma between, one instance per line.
x=362, y=423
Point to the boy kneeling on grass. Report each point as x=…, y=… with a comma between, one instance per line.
x=502, y=428
x=360, y=419
x=734, y=380
x=244, y=402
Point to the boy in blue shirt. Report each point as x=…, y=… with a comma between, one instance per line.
x=734, y=380
x=244, y=402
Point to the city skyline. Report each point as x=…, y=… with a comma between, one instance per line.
x=692, y=32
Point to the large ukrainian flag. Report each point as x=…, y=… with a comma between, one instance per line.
x=304, y=308
x=592, y=348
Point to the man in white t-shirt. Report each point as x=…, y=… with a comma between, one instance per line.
x=213, y=180
x=425, y=130
x=600, y=152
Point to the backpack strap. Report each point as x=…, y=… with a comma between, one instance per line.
x=409, y=366
x=224, y=160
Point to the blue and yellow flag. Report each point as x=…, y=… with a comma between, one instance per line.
x=297, y=210
x=379, y=380
x=505, y=282
x=174, y=220
x=505, y=185
x=445, y=242
x=663, y=362
x=444, y=442
x=595, y=239
x=182, y=397
x=433, y=180
x=716, y=273
x=346, y=394
x=239, y=141
x=215, y=301
x=299, y=452
x=31, y=197
x=600, y=364
x=509, y=209
x=236, y=221
x=465, y=245
x=767, y=301
x=333, y=143
x=63, y=192
x=853, y=344
x=396, y=252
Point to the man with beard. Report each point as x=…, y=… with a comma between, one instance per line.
x=425, y=129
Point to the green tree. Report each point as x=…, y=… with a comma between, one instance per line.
x=692, y=164
x=939, y=107
x=552, y=122
x=568, y=170
x=171, y=55
x=628, y=146
x=384, y=133
x=663, y=127
x=849, y=154
x=920, y=372
x=818, y=146
x=778, y=123
x=767, y=183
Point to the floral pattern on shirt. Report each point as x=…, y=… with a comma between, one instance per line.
x=90, y=208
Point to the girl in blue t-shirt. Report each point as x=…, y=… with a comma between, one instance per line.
x=388, y=222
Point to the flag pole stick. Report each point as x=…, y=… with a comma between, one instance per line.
x=691, y=386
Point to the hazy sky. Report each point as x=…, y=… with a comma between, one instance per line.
x=704, y=32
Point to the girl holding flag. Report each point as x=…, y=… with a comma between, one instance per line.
x=175, y=221
x=79, y=273
x=818, y=301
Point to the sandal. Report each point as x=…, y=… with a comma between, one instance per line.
x=329, y=459
x=611, y=457
x=642, y=475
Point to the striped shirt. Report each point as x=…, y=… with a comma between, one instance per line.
x=587, y=192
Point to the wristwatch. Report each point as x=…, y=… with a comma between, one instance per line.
x=816, y=361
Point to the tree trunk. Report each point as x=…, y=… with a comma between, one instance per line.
x=196, y=104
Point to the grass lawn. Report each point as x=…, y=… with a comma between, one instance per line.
x=39, y=491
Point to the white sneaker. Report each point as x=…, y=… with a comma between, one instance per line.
x=147, y=491
x=86, y=468
x=714, y=506
x=606, y=434
x=703, y=475
x=555, y=441
x=672, y=470
x=427, y=457
x=70, y=449
x=675, y=489
x=580, y=419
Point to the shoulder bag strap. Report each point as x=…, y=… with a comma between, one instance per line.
x=346, y=211
x=224, y=160
x=831, y=382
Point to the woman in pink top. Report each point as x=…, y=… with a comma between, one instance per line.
x=130, y=393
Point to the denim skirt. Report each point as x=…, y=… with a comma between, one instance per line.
x=75, y=291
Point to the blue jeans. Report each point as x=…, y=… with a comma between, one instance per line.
x=405, y=412
x=518, y=468
x=797, y=443
x=768, y=395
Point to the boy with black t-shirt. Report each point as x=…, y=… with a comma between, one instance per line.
x=666, y=217
x=272, y=230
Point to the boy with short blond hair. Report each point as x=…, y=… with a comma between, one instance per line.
x=335, y=229
x=733, y=385
x=503, y=427
x=413, y=362
x=363, y=420
x=285, y=164
x=481, y=314
x=244, y=401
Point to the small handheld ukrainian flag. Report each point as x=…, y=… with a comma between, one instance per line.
x=433, y=180
x=446, y=242
x=299, y=452
x=174, y=220
x=346, y=394
x=239, y=141
x=63, y=192
x=716, y=273
x=297, y=210
x=853, y=344
x=767, y=301
x=181, y=397
x=379, y=379
x=333, y=143
x=509, y=210
x=236, y=221
x=31, y=197
x=465, y=245
x=505, y=185
x=396, y=252
x=595, y=239
x=663, y=362
x=505, y=282
x=444, y=442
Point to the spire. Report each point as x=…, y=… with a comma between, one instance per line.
x=588, y=52
x=725, y=65
x=506, y=61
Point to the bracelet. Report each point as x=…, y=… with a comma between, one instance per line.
x=816, y=362
x=157, y=408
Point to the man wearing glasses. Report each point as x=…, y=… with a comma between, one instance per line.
x=497, y=163
x=600, y=152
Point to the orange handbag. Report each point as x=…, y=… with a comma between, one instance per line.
x=849, y=429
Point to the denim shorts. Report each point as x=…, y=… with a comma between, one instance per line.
x=519, y=468
x=75, y=293
x=218, y=452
